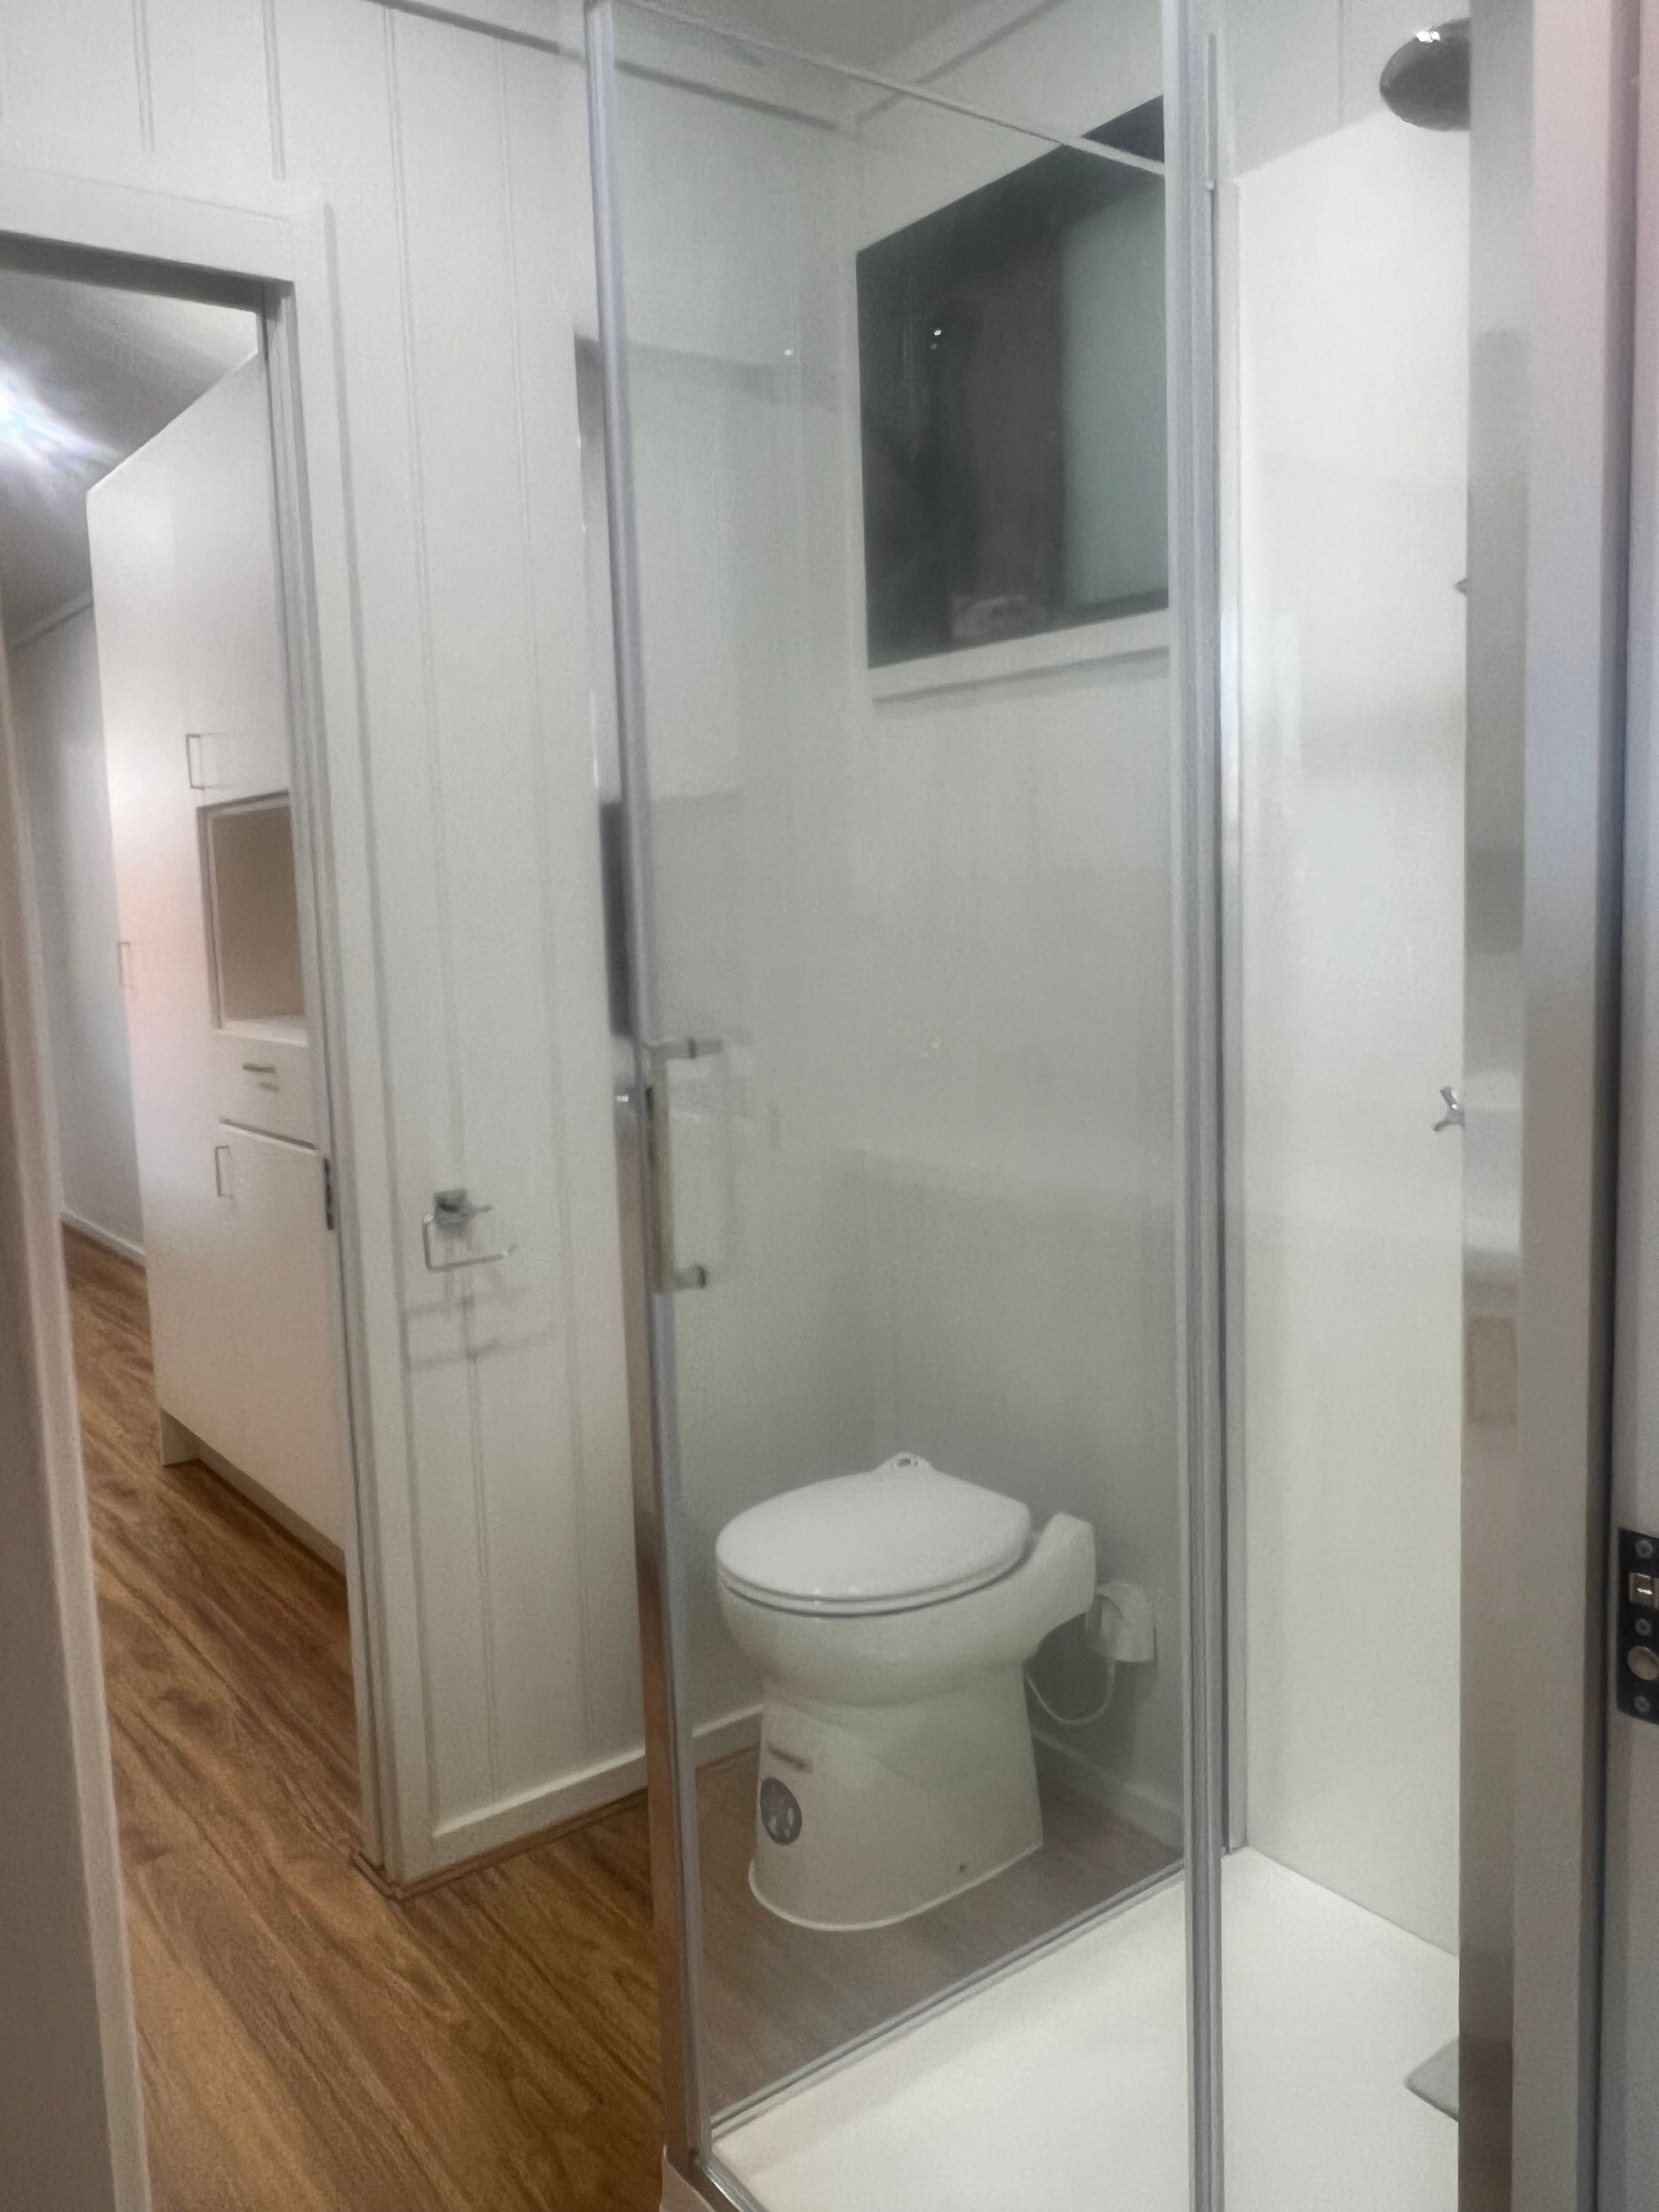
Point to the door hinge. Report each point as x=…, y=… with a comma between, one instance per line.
x=328, y=1193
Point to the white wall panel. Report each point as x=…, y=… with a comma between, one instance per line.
x=455, y=170
x=74, y=84
x=1353, y=407
x=60, y=727
x=213, y=91
x=545, y=136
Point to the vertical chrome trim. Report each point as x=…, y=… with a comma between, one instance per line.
x=1500, y=229
x=1191, y=119
x=1628, y=2136
x=648, y=1321
x=1230, y=817
x=1582, y=273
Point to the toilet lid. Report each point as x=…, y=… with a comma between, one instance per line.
x=902, y=1535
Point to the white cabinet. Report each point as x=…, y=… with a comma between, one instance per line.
x=227, y=579
x=262, y=1077
x=191, y=664
x=280, y=1422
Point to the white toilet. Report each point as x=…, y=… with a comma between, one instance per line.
x=889, y=1616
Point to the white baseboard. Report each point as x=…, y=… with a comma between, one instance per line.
x=178, y=1442
x=106, y=1237
x=468, y=1835
x=1138, y=1803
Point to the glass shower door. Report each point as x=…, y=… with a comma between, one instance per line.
x=884, y=402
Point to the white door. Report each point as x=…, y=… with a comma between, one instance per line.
x=164, y=953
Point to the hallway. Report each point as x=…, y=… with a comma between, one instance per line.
x=308, y=2045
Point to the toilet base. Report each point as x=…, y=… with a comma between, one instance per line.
x=866, y=1815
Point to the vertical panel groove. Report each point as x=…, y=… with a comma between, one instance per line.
x=274, y=92
x=544, y=846
x=141, y=74
x=442, y=903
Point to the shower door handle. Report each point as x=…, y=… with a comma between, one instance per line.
x=667, y=1271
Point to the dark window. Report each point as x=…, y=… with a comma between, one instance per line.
x=1012, y=383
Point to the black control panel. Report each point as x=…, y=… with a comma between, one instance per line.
x=1636, y=1665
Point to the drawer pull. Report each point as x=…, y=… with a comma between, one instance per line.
x=258, y=1067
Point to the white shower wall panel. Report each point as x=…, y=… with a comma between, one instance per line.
x=1352, y=287
x=1014, y=940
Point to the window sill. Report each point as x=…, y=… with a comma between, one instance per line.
x=1123, y=637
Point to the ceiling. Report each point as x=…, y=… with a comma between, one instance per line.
x=87, y=376
x=865, y=34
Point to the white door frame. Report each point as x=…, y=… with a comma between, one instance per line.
x=273, y=252
x=72, y=2106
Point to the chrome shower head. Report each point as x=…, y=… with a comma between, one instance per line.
x=1426, y=82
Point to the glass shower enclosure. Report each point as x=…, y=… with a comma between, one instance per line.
x=1031, y=515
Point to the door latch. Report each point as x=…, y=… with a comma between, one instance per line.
x=1636, y=1642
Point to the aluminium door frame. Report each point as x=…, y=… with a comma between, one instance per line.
x=1200, y=774
x=1582, y=266
x=1628, y=2132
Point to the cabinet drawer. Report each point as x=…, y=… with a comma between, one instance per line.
x=262, y=1080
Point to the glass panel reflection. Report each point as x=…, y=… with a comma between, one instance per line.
x=915, y=974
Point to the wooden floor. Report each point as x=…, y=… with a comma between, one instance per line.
x=777, y=1996
x=309, y=2045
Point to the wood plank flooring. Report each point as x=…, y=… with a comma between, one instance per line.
x=309, y=2045
x=776, y=1996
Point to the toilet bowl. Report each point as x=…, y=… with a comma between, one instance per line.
x=889, y=1615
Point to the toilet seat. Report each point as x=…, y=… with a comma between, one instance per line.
x=897, y=1538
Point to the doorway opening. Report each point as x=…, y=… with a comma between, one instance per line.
x=306, y=2035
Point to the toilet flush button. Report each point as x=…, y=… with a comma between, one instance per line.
x=1643, y=1664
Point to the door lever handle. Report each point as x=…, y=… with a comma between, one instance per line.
x=452, y=1214
x=1453, y=1116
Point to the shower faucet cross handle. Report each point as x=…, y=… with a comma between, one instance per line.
x=1453, y=1116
